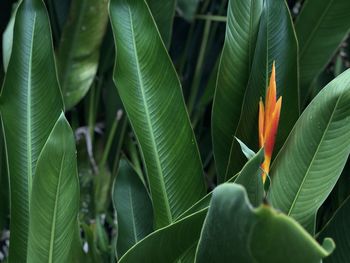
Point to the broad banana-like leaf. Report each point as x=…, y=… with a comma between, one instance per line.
x=151, y=94
x=276, y=42
x=133, y=207
x=248, y=177
x=312, y=159
x=188, y=8
x=169, y=243
x=234, y=69
x=163, y=13
x=338, y=229
x=79, y=49
x=233, y=231
x=321, y=26
x=30, y=104
x=54, y=202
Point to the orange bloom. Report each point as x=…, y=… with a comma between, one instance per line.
x=268, y=121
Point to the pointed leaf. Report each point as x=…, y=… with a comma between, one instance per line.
x=133, y=207
x=78, y=51
x=321, y=26
x=234, y=70
x=151, y=94
x=276, y=42
x=55, y=198
x=253, y=235
x=338, y=228
x=30, y=104
x=188, y=8
x=309, y=164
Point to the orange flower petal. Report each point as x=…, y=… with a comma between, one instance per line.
x=261, y=123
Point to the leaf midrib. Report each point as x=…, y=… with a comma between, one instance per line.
x=132, y=214
x=53, y=227
x=313, y=158
x=313, y=32
x=149, y=123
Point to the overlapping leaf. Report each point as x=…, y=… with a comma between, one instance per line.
x=151, y=94
x=133, y=208
x=30, y=104
x=234, y=70
x=338, y=228
x=320, y=27
x=54, y=203
x=311, y=161
x=78, y=52
x=163, y=13
x=276, y=42
x=235, y=232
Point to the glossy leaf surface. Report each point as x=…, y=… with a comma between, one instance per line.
x=320, y=27
x=311, y=161
x=253, y=235
x=55, y=198
x=234, y=70
x=276, y=42
x=30, y=104
x=163, y=13
x=78, y=52
x=151, y=94
x=133, y=207
x=169, y=243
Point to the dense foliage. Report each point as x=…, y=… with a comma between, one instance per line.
x=175, y=131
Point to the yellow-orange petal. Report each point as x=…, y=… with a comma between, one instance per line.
x=261, y=123
x=271, y=129
x=270, y=101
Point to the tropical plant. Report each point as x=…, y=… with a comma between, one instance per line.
x=175, y=131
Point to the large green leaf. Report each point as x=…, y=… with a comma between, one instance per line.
x=4, y=186
x=320, y=27
x=30, y=104
x=167, y=244
x=133, y=208
x=79, y=49
x=163, y=13
x=276, y=42
x=54, y=203
x=233, y=74
x=248, y=177
x=253, y=235
x=309, y=164
x=151, y=94
x=338, y=228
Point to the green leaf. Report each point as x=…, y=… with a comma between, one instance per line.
x=248, y=153
x=249, y=177
x=169, y=243
x=79, y=49
x=338, y=228
x=163, y=13
x=310, y=162
x=234, y=70
x=151, y=94
x=188, y=8
x=133, y=208
x=30, y=104
x=253, y=235
x=320, y=27
x=4, y=186
x=276, y=42
x=54, y=203
x=7, y=40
